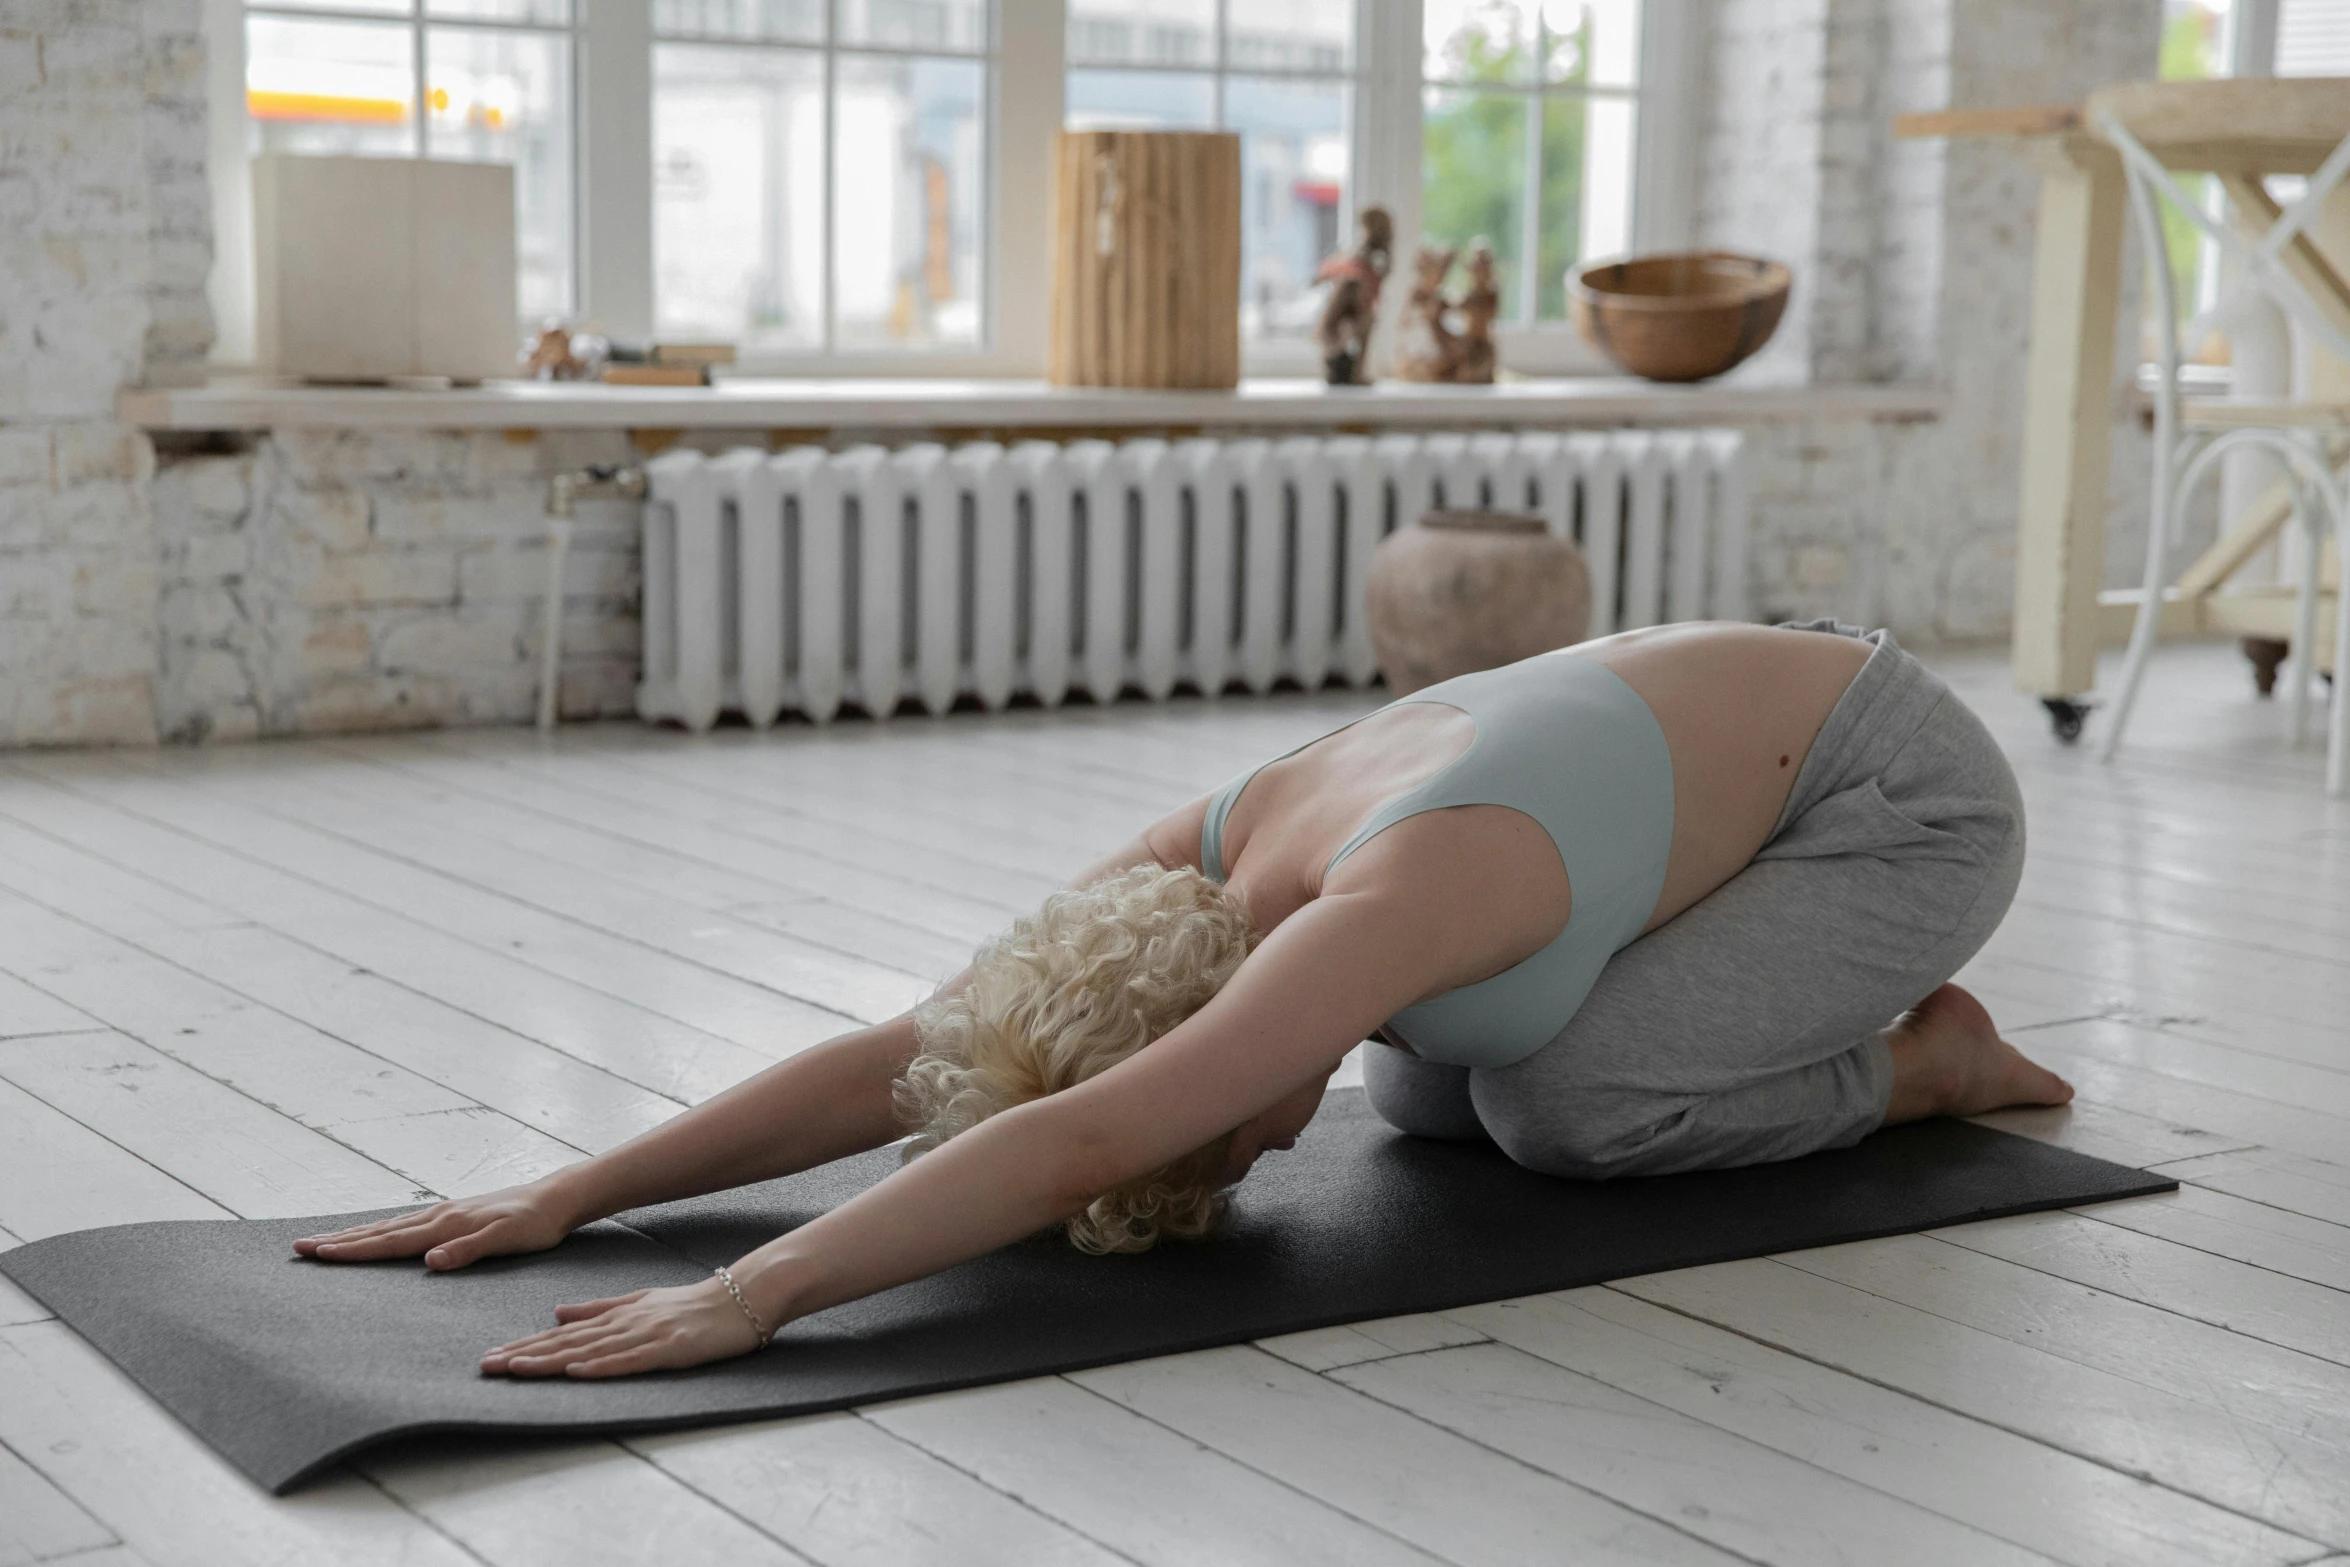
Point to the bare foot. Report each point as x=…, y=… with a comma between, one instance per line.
x=1948, y=1059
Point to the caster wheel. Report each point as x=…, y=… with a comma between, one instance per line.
x=2264, y=654
x=2065, y=716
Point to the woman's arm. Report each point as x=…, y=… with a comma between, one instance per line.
x=1319, y=984
x=825, y=1103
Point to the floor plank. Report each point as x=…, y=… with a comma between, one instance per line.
x=26, y=1010
x=701, y=997
x=2276, y=1239
x=1136, y=1487
x=568, y=1505
x=2106, y=1416
x=2316, y=1187
x=401, y=824
x=2261, y=1303
x=438, y=1138
x=840, y=1490
x=99, y=1440
x=2232, y=1116
x=1326, y=1349
x=2104, y=1131
x=61, y=1176
x=2000, y=1480
x=608, y=1013
x=243, y=1155
x=38, y=1522
x=627, y=809
x=1452, y=1493
x=1740, y=1495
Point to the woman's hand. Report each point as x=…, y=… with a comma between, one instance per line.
x=452, y=1234
x=651, y=1330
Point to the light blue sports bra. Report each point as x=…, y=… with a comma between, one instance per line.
x=1563, y=739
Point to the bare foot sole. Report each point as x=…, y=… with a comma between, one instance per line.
x=1948, y=1059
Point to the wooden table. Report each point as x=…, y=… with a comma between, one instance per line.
x=2239, y=130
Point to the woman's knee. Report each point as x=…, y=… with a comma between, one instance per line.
x=1574, y=1135
x=1423, y=1098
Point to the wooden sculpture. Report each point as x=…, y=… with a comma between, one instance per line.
x=1431, y=347
x=1425, y=348
x=1352, y=309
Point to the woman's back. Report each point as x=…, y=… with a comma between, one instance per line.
x=1735, y=707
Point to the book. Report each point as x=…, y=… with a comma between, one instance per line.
x=693, y=353
x=656, y=375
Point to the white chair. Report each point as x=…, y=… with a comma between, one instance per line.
x=2188, y=442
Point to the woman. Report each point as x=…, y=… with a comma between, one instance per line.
x=1677, y=899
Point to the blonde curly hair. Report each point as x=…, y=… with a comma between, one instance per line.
x=1067, y=993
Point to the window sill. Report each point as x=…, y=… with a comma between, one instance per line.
x=1007, y=406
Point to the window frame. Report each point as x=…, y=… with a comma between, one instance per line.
x=612, y=88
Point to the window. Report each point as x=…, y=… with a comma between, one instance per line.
x=1529, y=112
x=819, y=171
x=1279, y=72
x=846, y=186
x=486, y=80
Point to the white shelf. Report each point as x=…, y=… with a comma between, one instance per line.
x=761, y=404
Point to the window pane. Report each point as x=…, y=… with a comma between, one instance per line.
x=915, y=24
x=1595, y=42
x=738, y=195
x=777, y=21
x=1140, y=100
x=1142, y=32
x=1473, y=179
x=908, y=181
x=1478, y=40
x=388, y=7
x=539, y=13
x=1565, y=132
x=2313, y=38
x=327, y=87
x=505, y=97
x=1293, y=35
x=1608, y=125
x=1293, y=185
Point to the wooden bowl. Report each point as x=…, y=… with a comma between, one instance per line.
x=1681, y=316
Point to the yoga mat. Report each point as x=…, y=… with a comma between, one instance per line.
x=285, y=1365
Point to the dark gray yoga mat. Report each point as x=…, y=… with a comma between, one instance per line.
x=285, y=1366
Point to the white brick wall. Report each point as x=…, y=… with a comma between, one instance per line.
x=343, y=580
x=1912, y=262
x=94, y=189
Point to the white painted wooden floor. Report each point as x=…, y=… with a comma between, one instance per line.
x=299, y=978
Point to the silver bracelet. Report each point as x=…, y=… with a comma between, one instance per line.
x=727, y=1278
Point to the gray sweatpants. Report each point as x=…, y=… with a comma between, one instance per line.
x=1747, y=1029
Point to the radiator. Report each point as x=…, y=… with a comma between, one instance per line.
x=806, y=580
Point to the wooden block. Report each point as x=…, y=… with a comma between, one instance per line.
x=368, y=268
x=1146, y=259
